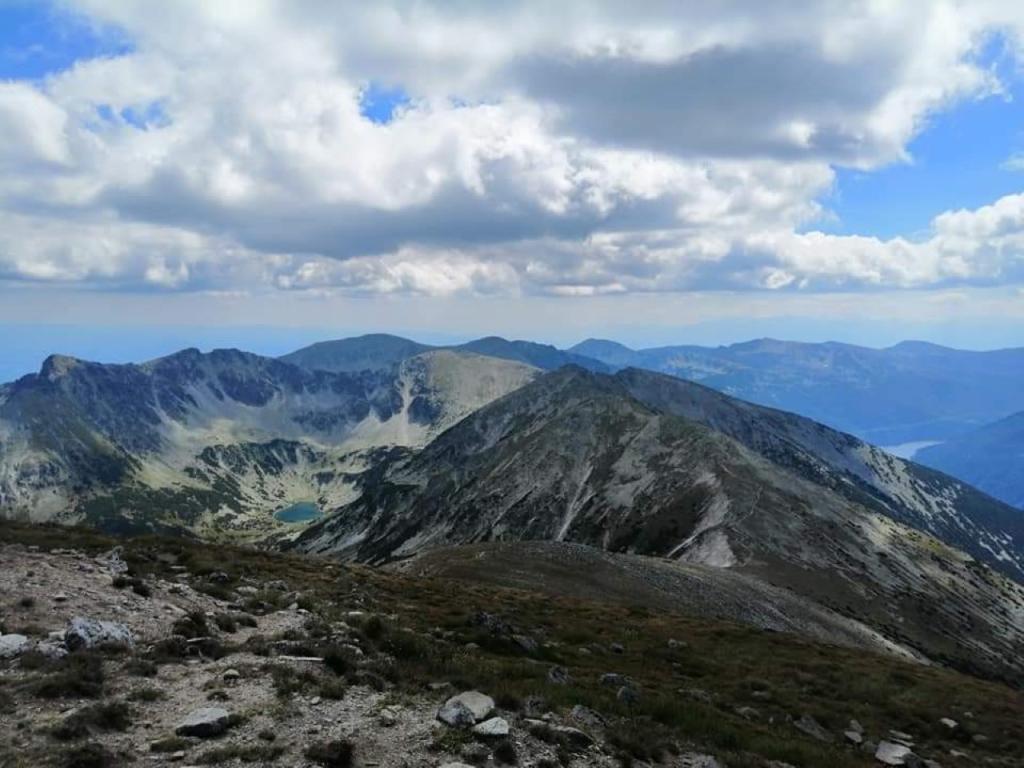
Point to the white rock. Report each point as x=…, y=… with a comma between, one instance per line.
x=854, y=737
x=88, y=633
x=13, y=645
x=888, y=753
x=949, y=723
x=496, y=726
x=466, y=708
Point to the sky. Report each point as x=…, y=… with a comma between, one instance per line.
x=262, y=173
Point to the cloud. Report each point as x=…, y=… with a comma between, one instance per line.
x=568, y=149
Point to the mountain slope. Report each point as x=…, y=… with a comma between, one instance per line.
x=574, y=457
x=380, y=352
x=217, y=442
x=903, y=490
x=909, y=392
x=991, y=458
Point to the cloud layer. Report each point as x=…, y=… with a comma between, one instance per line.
x=578, y=148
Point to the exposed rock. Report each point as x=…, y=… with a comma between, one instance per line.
x=748, y=713
x=13, y=645
x=546, y=731
x=465, y=709
x=949, y=722
x=205, y=722
x=88, y=633
x=855, y=726
x=495, y=727
x=854, y=737
x=889, y=753
x=613, y=679
x=812, y=728
x=231, y=674
x=558, y=675
x=586, y=716
x=526, y=643
x=675, y=644
x=617, y=648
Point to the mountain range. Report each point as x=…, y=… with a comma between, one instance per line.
x=402, y=450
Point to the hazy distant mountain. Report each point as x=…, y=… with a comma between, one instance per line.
x=912, y=391
x=576, y=456
x=214, y=443
x=380, y=351
x=372, y=352
x=991, y=458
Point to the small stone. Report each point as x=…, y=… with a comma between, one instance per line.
x=13, y=645
x=456, y=765
x=855, y=726
x=697, y=760
x=854, y=737
x=60, y=597
x=231, y=674
x=389, y=716
x=748, y=713
x=315, y=700
x=179, y=755
x=812, y=728
x=950, y=723
x=205, y=722
x=902, y=737
x=889, y=753
x=586, y=716
x=613, y=679
x=617, y=648
x=675, y=644
x=526, y=643
x=558, y=675
x=495, y=727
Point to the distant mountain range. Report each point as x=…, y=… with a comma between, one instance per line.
x=913, y=391
x=399, y=448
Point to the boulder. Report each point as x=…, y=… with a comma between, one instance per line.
x=493, y=728
x=205, y=722
x=627, y=695
x=89, y=633
x=889, y=753
x=586, y=716
x=465, y=709
x=13, y=645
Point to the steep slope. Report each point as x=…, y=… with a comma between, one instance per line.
x=217, y=442
x=907, y=492
x=380, y=352
x=912, y=391
x=991, y=458
x=573, y=457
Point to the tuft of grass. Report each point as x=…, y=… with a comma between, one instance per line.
x=109, y=716
x=88, y=755
x=146, y=694
x=170, y=744
x=77, y=675
x=331, y=754
x=252, y=753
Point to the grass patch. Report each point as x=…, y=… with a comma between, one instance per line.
x=97, y=718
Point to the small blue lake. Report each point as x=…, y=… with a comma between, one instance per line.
x=299, y=512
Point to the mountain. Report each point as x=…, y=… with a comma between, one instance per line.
x=372, y=352
x=991, y=458
x=912, y=391
x=575, y=457
x=215, y=443
x=381, y=351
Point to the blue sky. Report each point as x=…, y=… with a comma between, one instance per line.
x=259, y=176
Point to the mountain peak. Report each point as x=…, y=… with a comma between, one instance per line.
x=57, y=366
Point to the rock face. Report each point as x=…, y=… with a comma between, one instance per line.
x=88, y=633
x=13, y=645
x=205, y=722
x=465, y=709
